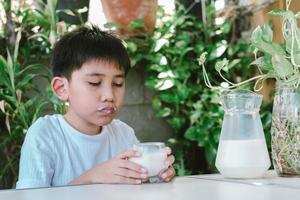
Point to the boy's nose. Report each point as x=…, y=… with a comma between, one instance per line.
x=107, y=94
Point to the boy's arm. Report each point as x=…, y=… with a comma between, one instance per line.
x=35, y=168
x=117, y=170
x=37, y=157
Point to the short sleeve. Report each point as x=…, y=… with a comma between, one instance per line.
x=36, y=162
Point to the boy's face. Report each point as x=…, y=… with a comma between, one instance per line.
x=95, y=95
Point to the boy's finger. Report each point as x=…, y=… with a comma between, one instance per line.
x=130, y=173
x=168, y=150
x=129, y=154
x=132, y=166
x=168, y=174
x=122, y=179
x=169, y=161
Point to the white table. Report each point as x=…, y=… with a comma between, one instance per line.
x=200, y=187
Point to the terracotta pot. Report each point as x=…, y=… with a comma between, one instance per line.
x=123, y=12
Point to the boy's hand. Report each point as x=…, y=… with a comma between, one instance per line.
x=120, y=170
x=169, y=173
x=117, y=170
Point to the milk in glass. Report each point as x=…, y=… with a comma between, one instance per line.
x=153, y=157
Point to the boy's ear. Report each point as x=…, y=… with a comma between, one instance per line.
x=60, y=87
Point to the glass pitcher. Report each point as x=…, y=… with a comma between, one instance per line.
x=242, y=151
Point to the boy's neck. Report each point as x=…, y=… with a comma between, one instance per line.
x=82, y=127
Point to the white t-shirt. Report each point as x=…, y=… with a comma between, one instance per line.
x=54, y=153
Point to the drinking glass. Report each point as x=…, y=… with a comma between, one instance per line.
x=153, y=159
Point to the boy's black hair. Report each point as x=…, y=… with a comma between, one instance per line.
x=84, y=44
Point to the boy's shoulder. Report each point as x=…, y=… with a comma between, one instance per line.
x=119, y=126
x=117, y=122
x=120, y=131
x=45, y=125
x=46, y=121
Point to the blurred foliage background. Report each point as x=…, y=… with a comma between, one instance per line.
x=169, y=55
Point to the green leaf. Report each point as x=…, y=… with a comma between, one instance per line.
x=131, y=46
x=151, y=82
x=10, y=70
x=136, y=59
x=4, y=74
x=195, y=116
x=25, y=81
x=158, y=68
x=270, y=48
x=9, y=99
x=38, y=110
x=233, y=63
x=68, y=12
x=176, y=122
x=277, y=12
x=39, y=35
x=263, y=62
x=210, y=153
x=256, y=35
x=156, y=103
x=267, y=33
x=226, y=27
x=207, y=123
x=221, y=65
x=139, y=23
x=215, y=132
x=111, y=25
x=30, y=102
x=192, y=133
x=165, y=112
x=160, y=43
x=183, y=92
x=261, y=38
x=16, y=50
x=282, y=66
x=168, y=98
x=29, y=67
x=218, y=50
x=199, y=48
x=215, y=98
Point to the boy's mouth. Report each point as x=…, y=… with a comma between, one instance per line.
x=107, y=110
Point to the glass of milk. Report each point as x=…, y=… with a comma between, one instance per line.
x=153, y=158
x=242, y=151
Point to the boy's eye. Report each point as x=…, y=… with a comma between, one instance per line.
x=118, y=84
x=94, y=83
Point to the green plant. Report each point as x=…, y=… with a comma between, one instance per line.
x=280, y=62
x=22, y=85
x=19, y=109
x=191, y=109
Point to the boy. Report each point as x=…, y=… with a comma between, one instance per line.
x=86, y=145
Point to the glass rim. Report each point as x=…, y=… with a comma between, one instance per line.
x=240, y=93
x=150, y=144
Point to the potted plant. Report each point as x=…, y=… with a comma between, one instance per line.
x=123, y=13
x=280, y=62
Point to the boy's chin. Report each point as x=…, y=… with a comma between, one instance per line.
x=105, y=121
